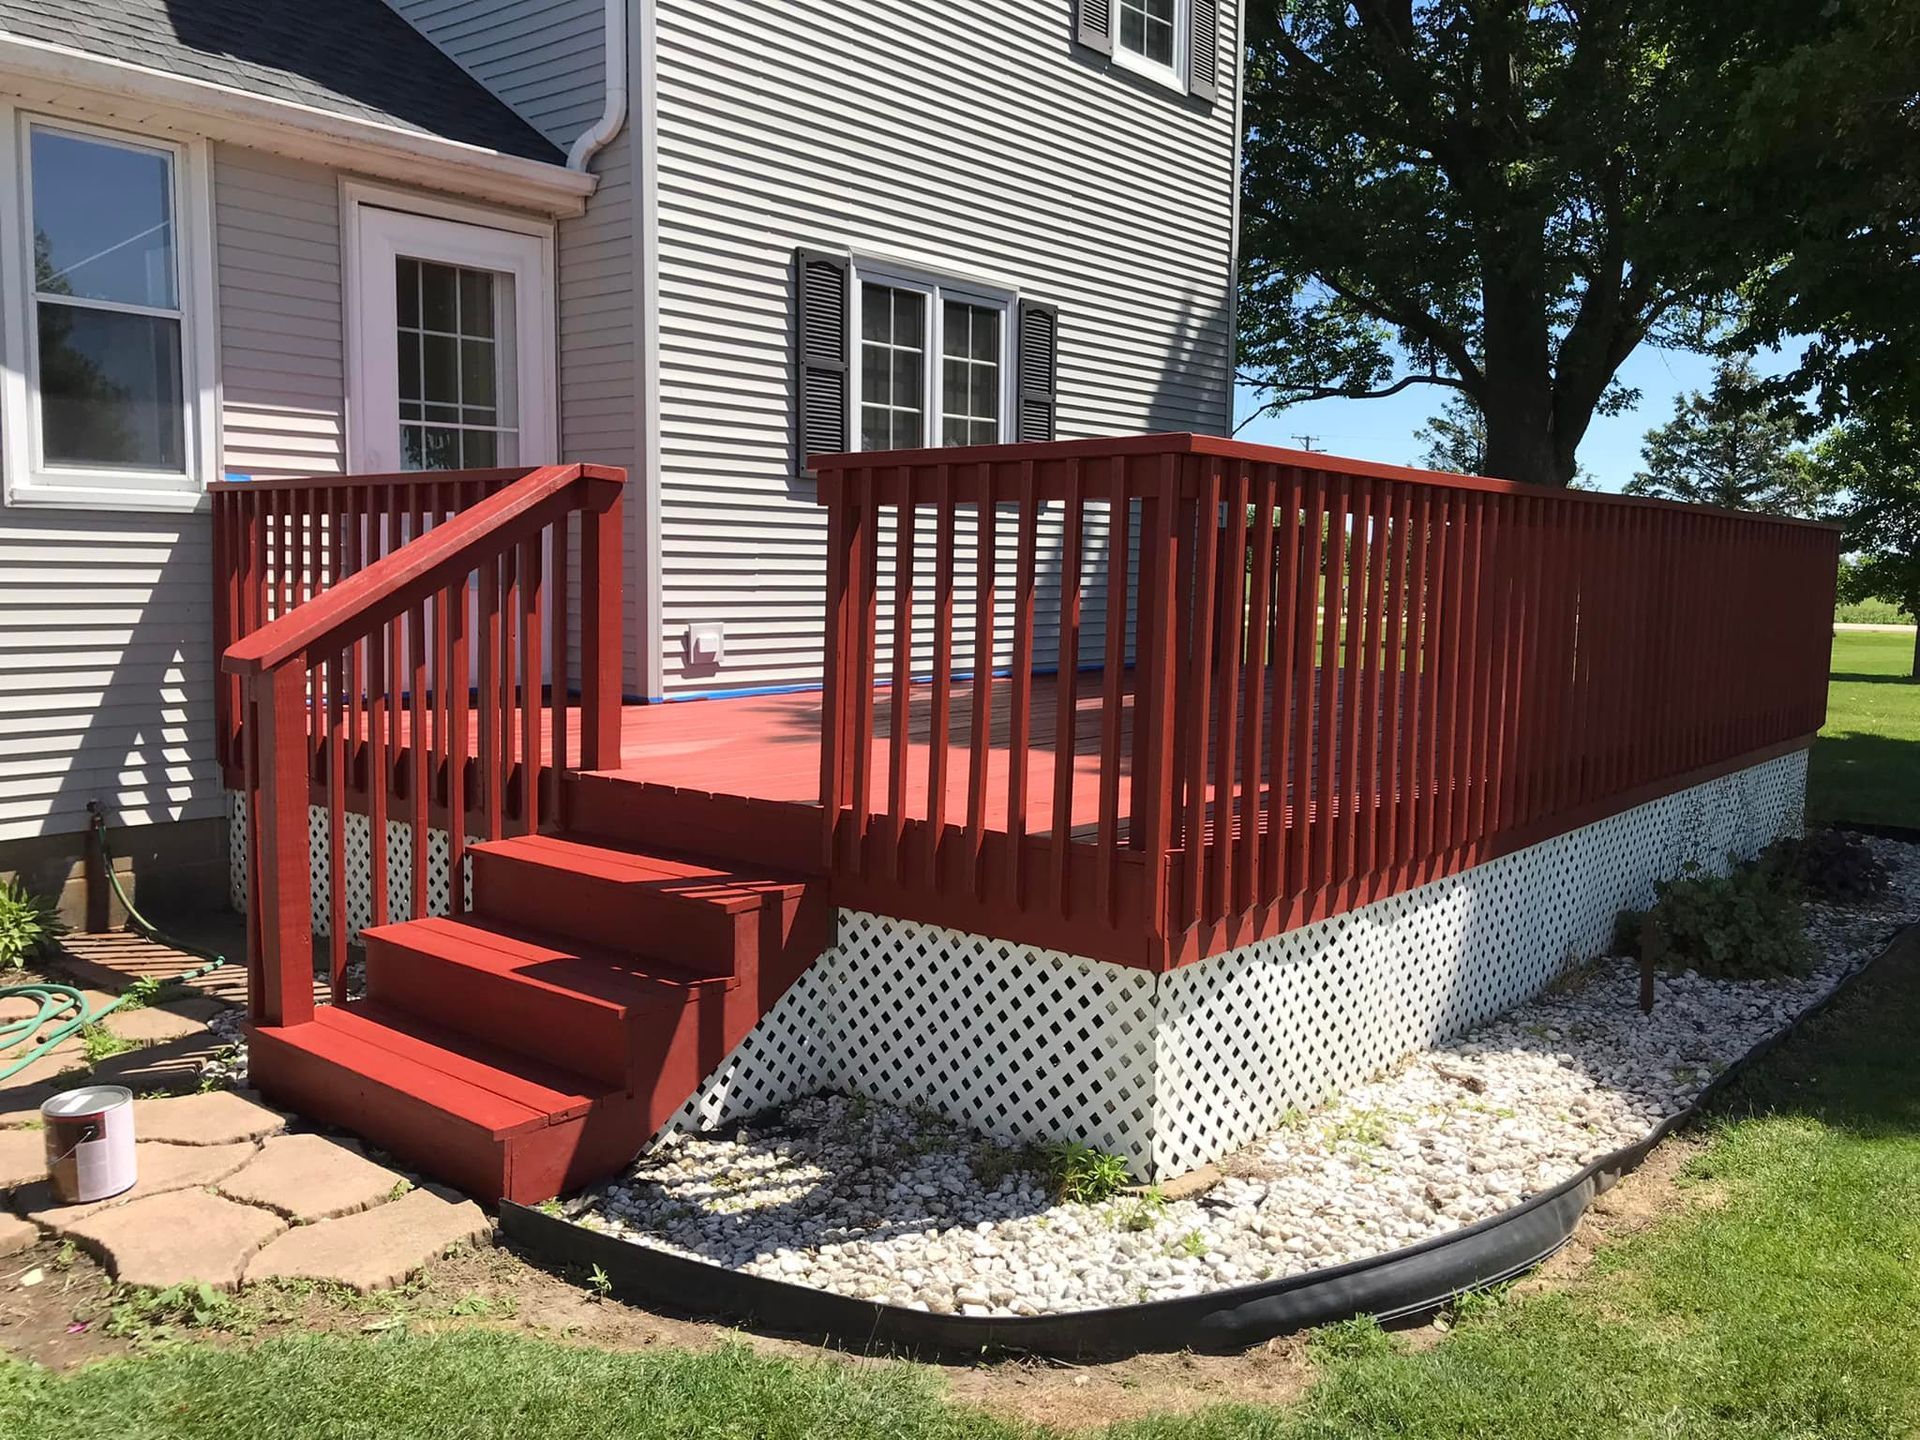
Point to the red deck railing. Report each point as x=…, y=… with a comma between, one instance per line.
x=399, y=645
x=1221, y=690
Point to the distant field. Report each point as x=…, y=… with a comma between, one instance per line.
x=1866, y=765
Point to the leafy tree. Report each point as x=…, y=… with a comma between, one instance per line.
x=1729, y=448
x=1456, y=439
x=1474, y=195
x=1875, y=465
x=1803, y=145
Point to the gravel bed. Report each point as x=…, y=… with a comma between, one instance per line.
x=878, y=1203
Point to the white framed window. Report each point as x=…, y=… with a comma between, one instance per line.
x=1150, y=36
x=932, y=360
x=109, y=396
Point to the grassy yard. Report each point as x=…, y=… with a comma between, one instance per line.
x=1781, y=1303
x=1866, y=765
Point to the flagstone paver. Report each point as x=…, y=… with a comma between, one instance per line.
x=218, y=1117
x=16, y=1234
x=312, y=1177
x=67, y=1056
x=161, y=1168
x=20, y=1105
x=376, y=1248
x=151, y=1023
x=179, y=1236
x=23, y=1157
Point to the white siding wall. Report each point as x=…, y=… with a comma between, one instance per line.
x=974, y=139
x=540, y=56
x=106, y=654
x=543, y=58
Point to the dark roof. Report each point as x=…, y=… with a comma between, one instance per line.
x=353, y=57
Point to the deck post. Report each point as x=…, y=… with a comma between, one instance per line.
x=282, y=928
x=600, y=651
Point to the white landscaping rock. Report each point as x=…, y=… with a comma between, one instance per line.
x=878, y=1203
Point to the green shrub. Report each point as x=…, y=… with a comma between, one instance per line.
x=1828, y=865
x=1746, y=925
x=27, y=925
x=1084, y=1175
x=1870, y=612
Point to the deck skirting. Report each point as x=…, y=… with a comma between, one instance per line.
x=1175, y=1070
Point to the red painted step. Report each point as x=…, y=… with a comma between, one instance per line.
x=489, y=1121
x=545, y=996
x=698, y=916
x=536, y=1045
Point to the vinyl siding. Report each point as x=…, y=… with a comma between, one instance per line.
x=106, y=653
x=544, y=60
x=975, y=141
x=540, y=56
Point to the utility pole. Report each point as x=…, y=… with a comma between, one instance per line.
x=1306, y=441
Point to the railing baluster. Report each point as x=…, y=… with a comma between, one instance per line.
x=980, y=736
x=1258, y=811
x=453, y=601
x=383, y=669
x=1349, y=781
x=939, y=727
x=530, y=600
x=1066, y=715
x=492, y=782
x=900, y=713
x=334, y=701
x=1228, y=634
x=1020, y=706
x=1113, y=693
x=1199, y=581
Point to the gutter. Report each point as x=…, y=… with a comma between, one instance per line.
x=45, y=73
x=614, y=47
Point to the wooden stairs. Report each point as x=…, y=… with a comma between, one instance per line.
x=533, y=1045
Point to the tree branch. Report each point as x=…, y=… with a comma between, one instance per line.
x=1300, y=395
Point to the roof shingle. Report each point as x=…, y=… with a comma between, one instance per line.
x=353, y=57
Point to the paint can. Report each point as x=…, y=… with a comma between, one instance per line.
x=89, y=1142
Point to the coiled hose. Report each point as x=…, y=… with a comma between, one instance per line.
x=64, y=1008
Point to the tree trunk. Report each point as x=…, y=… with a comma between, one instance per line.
x=1519, y=365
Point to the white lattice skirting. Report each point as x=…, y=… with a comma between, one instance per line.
x=1176, y=1070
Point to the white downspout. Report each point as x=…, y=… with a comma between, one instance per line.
x=591, y=142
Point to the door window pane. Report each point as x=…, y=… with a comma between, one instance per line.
x=892, y=367
x=110, y=389
x=102, y=221
x=969, y=374
x=455, y=358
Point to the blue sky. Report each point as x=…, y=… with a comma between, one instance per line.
x=1383, y=429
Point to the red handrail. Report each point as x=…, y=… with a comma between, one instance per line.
x=1283, y=684
x=362, y=691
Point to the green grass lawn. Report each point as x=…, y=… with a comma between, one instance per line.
x=1866, y=766
x=1783, y=1305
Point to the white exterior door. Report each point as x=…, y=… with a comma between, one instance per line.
x=452, y=345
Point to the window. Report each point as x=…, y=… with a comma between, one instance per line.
x=454, y=325
x=933, y=364
x=1148, y=32
x=108, y=408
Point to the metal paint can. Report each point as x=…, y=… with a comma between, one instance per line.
x=89, y=1142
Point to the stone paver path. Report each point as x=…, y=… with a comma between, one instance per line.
x=218, y=1117
x=219, y=1179
x=180, y=1236
x=377, y=1248
x=312, y=1177
x=159, y=1167
x=23, y=1157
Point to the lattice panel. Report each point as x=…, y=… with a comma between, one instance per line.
x=356, y=867
x=784, y=1057
x=1288, y=1021
x=1019, y=1042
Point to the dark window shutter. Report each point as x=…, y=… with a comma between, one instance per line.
x=1093, y=25
x=1203, y=49
x=1037, y=371
x=820, y=353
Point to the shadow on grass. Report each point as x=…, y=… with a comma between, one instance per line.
x=1863, y=678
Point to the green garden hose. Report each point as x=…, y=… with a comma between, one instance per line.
x=64, y=1007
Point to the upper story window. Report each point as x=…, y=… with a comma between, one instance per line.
x=110, y=404
x=1149, y=36
x=893, y=358
x=1175, y=43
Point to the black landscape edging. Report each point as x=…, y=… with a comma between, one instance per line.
x=1415, y=1281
